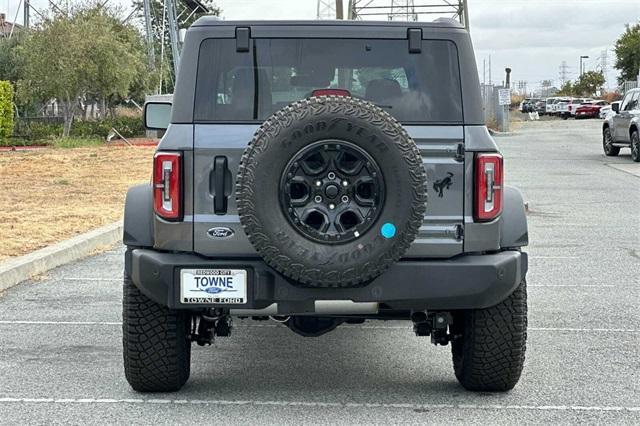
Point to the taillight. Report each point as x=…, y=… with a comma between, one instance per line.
x=488, y=191
x=167, y=185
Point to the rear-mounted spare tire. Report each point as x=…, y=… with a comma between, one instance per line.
x=331, y=191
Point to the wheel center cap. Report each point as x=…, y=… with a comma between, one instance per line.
x=331, y=191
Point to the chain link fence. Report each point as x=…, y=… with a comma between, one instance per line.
x=628, y=85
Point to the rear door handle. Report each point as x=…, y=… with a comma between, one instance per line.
x=220, y=172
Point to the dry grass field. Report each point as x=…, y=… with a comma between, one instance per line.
x=50, y=195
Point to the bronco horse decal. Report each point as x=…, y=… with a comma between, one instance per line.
x=440, y=185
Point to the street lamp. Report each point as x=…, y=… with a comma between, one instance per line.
x=581, y=58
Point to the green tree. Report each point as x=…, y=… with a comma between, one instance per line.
x=627, y=50
x=589, y=83
x=566, y=89
x=85, y=54
x=6, y=110
x=10, y=61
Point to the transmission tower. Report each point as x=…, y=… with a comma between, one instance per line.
x=172, y=20
x=546, y=86
x=409, y=10
x=326, y=9
x=604, y=59
x=172, y=15
x=151, y=55
x=403, y=10
x=564, y=72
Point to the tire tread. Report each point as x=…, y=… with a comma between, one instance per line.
x=491, y=352
x=156, y=350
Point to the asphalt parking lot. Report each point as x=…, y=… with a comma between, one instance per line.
x=60, y=335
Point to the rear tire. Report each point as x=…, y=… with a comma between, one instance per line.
x=489, y=354
x=635, y=146
x=157, y=352
x=607, y=144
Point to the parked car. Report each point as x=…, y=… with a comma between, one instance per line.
x=608, y=109
x=590, y=109
x=622, y=129
x=550, y=102
x=528, y=105
x=324, y=194
x=567, y=109
x=541, y=107
x=558, y=102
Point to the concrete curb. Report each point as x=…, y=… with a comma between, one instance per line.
x=14, y=271
x=500, y=134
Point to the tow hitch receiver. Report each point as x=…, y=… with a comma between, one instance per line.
x=207, y=326
x=434, y=324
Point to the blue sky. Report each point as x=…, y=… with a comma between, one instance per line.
x=532, y=37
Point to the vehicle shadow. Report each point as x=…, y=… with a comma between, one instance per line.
x=354, y=364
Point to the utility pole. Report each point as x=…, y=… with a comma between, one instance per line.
x=490, y=81
x=581, y=58
x=484, y=72
x=339, y=11
x=26, y=19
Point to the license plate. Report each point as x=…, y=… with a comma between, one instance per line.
x=221, y=286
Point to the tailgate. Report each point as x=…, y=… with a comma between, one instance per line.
x=217, y=153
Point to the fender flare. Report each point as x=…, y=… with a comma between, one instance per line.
x=513, y=226
x=138, y=217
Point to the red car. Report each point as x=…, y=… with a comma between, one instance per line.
x=590, y=110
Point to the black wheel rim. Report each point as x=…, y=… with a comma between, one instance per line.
x=635, y=146
x=332, y=191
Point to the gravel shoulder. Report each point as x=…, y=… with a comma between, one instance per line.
x=54, y=194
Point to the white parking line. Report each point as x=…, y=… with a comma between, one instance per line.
x=352, y=327
x=319, y=404
x=571, y=285
x=60, y=322
x=89, y=279
x=554, y=257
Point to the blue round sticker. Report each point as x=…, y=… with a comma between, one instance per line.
x=388, y=230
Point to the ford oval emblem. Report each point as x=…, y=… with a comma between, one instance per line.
x=220, y=233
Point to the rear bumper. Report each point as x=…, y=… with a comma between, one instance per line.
x=463, y=282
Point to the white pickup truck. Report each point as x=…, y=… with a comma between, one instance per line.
x=567, y=108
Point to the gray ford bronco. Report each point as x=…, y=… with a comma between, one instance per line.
x=319, y=174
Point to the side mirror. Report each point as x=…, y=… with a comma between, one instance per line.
x=615, y=108
x=157, y=115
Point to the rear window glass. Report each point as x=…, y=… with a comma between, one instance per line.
x=250, y=86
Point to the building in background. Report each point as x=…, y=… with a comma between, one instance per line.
x=7, y=28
